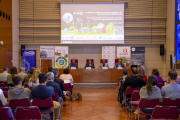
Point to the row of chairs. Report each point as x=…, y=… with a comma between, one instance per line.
x=14, y=104
x=150, y=104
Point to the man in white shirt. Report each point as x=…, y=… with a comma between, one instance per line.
x=4, y=74
x=22, y=73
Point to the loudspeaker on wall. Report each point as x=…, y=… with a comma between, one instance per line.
x=161, y=49
x=22, y=48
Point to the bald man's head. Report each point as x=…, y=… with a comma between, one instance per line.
x=134, y=70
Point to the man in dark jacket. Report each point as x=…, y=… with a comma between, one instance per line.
x=57, y=80
x=56, y=87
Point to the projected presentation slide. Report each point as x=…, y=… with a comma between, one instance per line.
x=92, y=23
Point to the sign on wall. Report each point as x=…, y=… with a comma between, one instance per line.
x=61, y=56
x=108, y=52
x=138, y=56
x=124, y=52
x=29, y=59
x=47, y=52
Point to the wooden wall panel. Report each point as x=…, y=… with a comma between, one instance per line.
x=6, y=35
x=145, y=21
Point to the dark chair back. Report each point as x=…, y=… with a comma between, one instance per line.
x=47, y=102
x=160, y=85
x=169, y=102
x=26, y=86
x=129, y=90
x=92, y=60
x=2, y=85
x=31, y=112
x=145, y=103
x=56, y=96
x=135, y=95
x=161, y=112
x=4, y=88
x=1, y=105
x=66, y=86
x=5, y=94
x=13, y=104
x=106, y=61
x=6, y=113
x=5, y=83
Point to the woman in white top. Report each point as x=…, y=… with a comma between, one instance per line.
x=67, y=76
x=2, y=98
x=34, y=80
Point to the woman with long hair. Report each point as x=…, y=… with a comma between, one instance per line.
x=159, y=78
x=34, y=80
x=150, y=91
x=11, y=76
x=141, y=73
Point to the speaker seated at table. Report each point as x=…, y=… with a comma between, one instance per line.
x=103, y=63
x=74, y=63
x=89, y=63
x=118, y=63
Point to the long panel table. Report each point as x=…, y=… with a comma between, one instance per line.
x=95, y=75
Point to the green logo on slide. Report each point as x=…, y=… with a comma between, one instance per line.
x=61, y=62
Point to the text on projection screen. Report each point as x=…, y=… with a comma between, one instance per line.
x=92, y=23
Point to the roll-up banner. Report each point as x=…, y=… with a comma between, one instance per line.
x=108, y=52
x=47, y=52
x=124, y=53
x=29, y=59
x=61, y=56
x=138, y=56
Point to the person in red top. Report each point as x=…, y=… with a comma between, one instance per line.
x=141, y=73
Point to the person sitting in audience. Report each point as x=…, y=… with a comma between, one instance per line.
x=103, y=64
x=4, y=74
x=121, y=84
x=141, y=73
x=133, y=81
x=11, y=76
x=27, y=77
x=2, y=98
x=119, y=64
x=150, y=91
x=43, y=91
x=90, y=64
x=159, y=78
x=18, y=91
x=73, y=64
x=50, y=69
x=56, y=87
x=171, y=90
x=57, y=80
x=67, y=76
x=34, y=80
x=22, y=73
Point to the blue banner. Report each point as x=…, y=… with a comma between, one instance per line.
x=29, y=59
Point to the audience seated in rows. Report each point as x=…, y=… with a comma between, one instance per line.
x=121, y=84
x=22, y=73
x=133, y=81
x=43, y=91
x=4, y=74
x=11, y=76
x=159, y=78
x=67, y=76
x=171, y=90
x=2, y=98
x=57, y=80
x=34, y=80
x=141, y=73
x=18, y=91
x=150, y=91
x=27, y=77
x=56, y=86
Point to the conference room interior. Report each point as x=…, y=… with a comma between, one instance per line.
x=150, y=25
